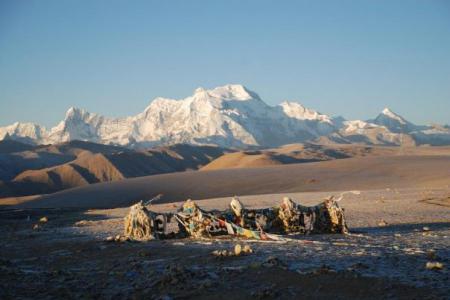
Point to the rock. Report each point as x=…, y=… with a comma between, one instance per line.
x=358, y=266
x=110, y=239
x=174, y=274
x=382, y=223
x=341, y=244
x=426, y=228
x=434, y=265
x=247, y=249
x=324, y=269
x=272, y=261
x=237, y=249
x=206, y=283
x=124, y=239
x=222, y=253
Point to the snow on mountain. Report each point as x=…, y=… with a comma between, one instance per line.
x=298, y=111
x=363, y=132
x=393, y=116
x=394, y=122
x=358, y=126
x=24, y=132
x=433, y=135
x=228, y=116
x=79, y=124
x=231, y=92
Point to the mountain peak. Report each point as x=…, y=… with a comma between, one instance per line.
x=386, y=111
x=199, y=90
x=75, y=112
x=392, y=115
x=298, y=111
x=394, y=122
x=233, y=92
x=72, y=110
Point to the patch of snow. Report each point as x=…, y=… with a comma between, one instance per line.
x=390, y=114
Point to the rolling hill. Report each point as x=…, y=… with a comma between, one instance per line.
x=357, y=173
x=296, y=153
x=69, y=165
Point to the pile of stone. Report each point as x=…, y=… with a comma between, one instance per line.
x=263, y=224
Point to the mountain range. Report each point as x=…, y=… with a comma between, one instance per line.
x=228, y=116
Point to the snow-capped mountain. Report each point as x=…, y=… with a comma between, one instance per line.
x=23, y=132
x=433, y=135
x=229, y=116
x=369, y=133
x=394, y=122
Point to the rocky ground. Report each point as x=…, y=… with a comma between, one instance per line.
x=395, y=233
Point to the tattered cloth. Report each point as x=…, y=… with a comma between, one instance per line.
x=289, y=217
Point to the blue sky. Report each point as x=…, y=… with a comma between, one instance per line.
x=349, y=58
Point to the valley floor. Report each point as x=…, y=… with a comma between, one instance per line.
x=395, y=232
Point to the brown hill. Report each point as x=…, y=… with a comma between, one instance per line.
x=46, y=156
x=88, y=167
x=97, y=167
x=295, y=153
x=169, y=159
x=359, y=173
x=244, y=159
x=48, y=180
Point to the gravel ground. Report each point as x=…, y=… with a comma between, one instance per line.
x=394, y=234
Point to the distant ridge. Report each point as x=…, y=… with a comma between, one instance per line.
x=8, y=145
